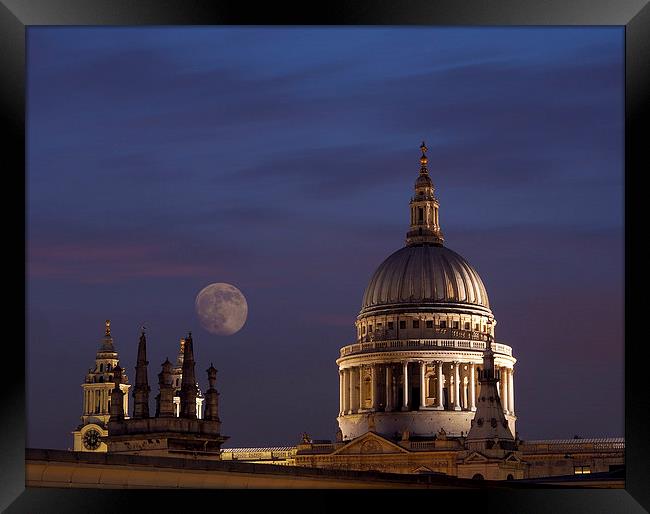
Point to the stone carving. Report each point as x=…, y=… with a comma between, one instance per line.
x=370, y=447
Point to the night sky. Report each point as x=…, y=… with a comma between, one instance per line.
x=282, y=161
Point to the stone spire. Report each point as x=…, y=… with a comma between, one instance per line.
x=181, y=352
x=177, y=370
x=141, y=389
x=489, y=427
x=165, y=398
x=212, y=396
x=117, y=396
x=425, y=225
x=107, y=341
x=189, y=389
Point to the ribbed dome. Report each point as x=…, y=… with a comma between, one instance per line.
x=424, y=274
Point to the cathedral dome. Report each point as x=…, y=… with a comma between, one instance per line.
x=424, y=274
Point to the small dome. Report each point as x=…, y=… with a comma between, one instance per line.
x=424, y=274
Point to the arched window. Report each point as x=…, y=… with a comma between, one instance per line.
x=108, y=367
x=101, y=378
x=478, y=476
x=101, y=368
x=510, y=477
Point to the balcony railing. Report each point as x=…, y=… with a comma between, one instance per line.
x=431, y=333
x=422, y=344
x=574, y=445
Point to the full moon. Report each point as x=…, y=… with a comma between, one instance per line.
x=221, y=308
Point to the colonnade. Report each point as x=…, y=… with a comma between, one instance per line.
x=442, y=386
x=97, y=401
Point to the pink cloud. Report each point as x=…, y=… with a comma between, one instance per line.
x=98, y=263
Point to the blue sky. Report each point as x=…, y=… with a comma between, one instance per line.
x=282, y=160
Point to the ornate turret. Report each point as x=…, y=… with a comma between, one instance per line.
x=107, y=343
x=189, y=390
x=212, y=396
x=489, y=427
x=117, y=397
x=96, y=395
x=165, y=398
x=141, y=389
x=425, y=225
x=177, y=377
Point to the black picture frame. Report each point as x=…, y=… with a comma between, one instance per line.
x=17, y=15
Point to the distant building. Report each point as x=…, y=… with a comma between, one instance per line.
x=169, y=432
x=96, y=406
x=97, y=388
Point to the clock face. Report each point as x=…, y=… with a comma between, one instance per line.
x=91, y=439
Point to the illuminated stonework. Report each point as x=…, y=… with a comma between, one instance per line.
x=97, y=388
x=177, y=378
x=421, y=334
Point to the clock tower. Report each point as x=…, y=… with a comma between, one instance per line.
x=97, y=389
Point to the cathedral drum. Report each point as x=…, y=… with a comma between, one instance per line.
x=421, y=334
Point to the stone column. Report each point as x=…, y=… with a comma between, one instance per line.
x=405, y=374
x=423, y=393
x=511, y=391
x=497, y=369
x=125, y=399
x=346, y=390
x=361, y=398
x=351, y=408
x=456, y=386
x=504, y=397
x=472, y=388
x=341, y=388
x=441, y=404
x=389, y=389
x=373, y=387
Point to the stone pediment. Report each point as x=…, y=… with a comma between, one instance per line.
x=512, y=458
x=475, y=457
x=369, y=443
